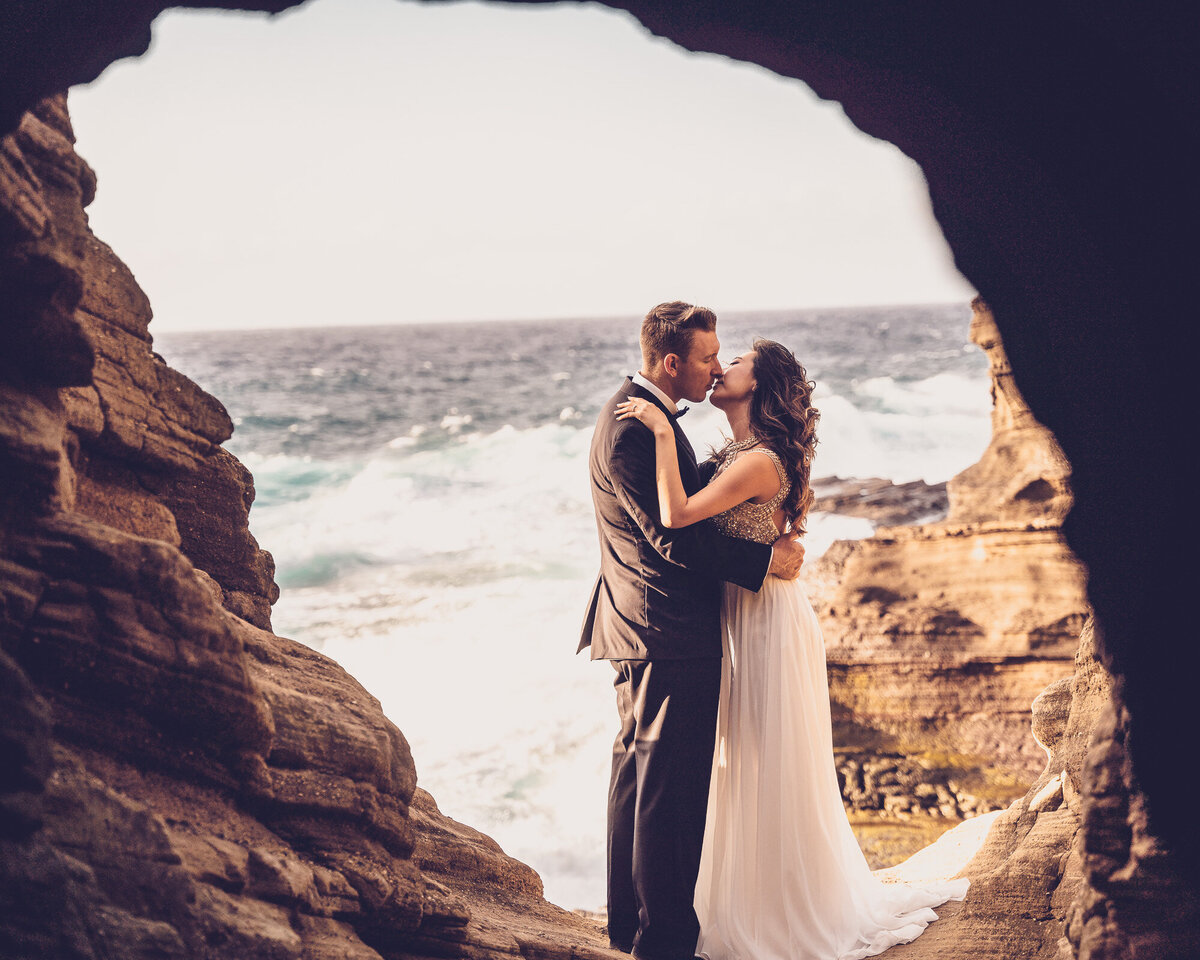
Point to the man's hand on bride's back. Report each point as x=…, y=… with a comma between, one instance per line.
x=787, y=557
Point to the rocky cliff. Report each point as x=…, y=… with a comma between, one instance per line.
x=177, y=781
x=1072, y=869
x=939, y=636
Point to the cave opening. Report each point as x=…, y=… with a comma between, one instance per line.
x=366, y=484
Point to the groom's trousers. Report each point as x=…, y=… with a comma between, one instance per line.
x=657, y=802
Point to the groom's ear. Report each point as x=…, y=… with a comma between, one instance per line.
x=671, y=364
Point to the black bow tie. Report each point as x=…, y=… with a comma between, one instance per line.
x=680, y=412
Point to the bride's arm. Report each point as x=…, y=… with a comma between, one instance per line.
x=748, y=478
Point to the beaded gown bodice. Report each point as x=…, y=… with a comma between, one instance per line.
x=753, y=521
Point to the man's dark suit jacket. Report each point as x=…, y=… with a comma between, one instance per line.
x=658, y=596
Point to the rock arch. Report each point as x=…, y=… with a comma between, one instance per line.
x=1055, y=146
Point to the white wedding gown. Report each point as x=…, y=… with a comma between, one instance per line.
x=781, y=874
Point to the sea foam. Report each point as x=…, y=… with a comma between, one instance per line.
x=432, y=526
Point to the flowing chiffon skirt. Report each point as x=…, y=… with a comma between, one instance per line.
x=781, y=874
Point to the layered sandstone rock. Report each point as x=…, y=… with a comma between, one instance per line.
x=939, y=636
x=1137, y=897
x=1074, y=868
x=1029, y=869
x=177, y=781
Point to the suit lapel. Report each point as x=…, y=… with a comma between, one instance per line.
x=634, y=390
x=687, y=456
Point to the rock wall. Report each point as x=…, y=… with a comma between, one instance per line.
x=1137, y=897
x=1029, y=869
x=175, y=780
x=939, y=636
x=1072, y=868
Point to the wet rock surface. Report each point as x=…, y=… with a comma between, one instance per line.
x=904, y=786
x=881, y=501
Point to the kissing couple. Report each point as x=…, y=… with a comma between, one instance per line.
x=727, y=838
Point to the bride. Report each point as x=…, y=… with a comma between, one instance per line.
x=781, y=874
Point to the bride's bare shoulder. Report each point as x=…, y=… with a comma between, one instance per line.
x=742, y=469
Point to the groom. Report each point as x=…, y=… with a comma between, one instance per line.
x=655, y=613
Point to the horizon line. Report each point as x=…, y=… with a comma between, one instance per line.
x=553, y=318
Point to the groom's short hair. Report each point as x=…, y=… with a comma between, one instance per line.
x=668, y=328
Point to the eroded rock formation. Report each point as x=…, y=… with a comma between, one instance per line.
x=175, y=780
x=1029, y=870
x=939, y=636
x=1072, y=869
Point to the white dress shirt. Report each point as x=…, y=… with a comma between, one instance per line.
x=645, y=384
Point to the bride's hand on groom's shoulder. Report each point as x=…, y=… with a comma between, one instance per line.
x=787, y=557
x=646, y=412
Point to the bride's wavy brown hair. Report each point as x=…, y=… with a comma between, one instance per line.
x=783, y=418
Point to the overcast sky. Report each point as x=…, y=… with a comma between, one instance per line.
x=382, y=161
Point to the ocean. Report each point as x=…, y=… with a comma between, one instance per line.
x=424, y=491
